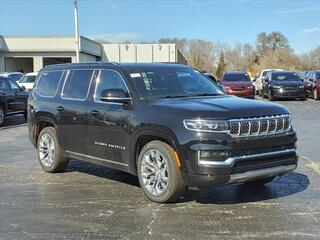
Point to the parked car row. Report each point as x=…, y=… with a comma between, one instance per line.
x=271, y=83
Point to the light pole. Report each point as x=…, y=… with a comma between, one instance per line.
x=75, y=3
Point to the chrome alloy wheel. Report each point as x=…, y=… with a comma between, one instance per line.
x=1, y=116
x=154, y=169
x=46, y=150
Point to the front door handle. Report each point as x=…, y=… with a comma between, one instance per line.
x=94, y=112
x=60, y=108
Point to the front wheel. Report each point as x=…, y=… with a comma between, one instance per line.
x=270, y=95
x=315, y=94
x=49, y=152
x=2, y=116
x=159, y=172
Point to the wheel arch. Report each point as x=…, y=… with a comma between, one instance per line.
x=145, y=136
x=42, y=122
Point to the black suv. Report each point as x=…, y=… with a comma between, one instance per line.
x=13, y=99
x=283, y=84
x=166, y=123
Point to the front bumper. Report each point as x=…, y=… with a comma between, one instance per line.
x=248, y=93
x=284, y=93
x=248, y=159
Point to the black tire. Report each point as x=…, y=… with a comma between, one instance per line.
x=175, y=184
x=270, y=96
x=261, y=181
x=60, y=162
x=302, y=98
x=2, y=116
x=315, y=94
x=25, y=115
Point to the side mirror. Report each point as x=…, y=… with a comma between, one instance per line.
x=222, y=88
x=22, y=88
x=114, y=95
x=265, y=79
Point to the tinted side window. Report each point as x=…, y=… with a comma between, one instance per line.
x=48, y=83
x=28, y=79
x=109, y=79
x=13, y=85
x=77, y=84
x=4, y=85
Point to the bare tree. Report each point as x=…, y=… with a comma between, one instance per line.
x=272, y=41
x=201, y=54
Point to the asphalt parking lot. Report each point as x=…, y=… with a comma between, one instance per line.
x=94, y=202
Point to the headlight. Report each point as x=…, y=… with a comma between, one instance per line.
x=202, y=125
x=301, y=86
x=276, y=86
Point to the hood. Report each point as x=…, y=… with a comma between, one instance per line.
x=287, y=83
x=237, y=84
x=219, y=107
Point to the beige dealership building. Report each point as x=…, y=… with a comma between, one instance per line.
x=31, y=53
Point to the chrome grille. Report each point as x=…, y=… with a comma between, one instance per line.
x=260, y=125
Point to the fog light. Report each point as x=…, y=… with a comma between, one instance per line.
x=213, y=155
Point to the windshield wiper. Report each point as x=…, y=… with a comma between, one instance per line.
x=208, y=94
x=175, y=96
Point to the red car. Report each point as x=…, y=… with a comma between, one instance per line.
x=238, y=83
x=312, y=84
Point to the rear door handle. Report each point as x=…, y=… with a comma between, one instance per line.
x=94, y=112
x=60, y=108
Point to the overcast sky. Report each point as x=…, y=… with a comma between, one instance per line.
x=230, y=21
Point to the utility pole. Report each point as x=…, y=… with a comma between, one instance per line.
x=75, y=2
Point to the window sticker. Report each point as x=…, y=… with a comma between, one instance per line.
x=135, y=75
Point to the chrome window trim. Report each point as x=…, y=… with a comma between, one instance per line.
x=96, y=100
x=229, y=162
x=39, y=77
x=88, y=90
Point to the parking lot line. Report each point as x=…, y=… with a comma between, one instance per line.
x=311, y=164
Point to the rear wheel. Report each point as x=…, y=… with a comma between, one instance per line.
x=159, y=173
x=2, y=116
x=49, y=152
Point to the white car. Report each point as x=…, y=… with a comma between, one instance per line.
x=28, y=80
x=260, y=80
x=15, y=76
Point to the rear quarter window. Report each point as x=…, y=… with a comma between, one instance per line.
x=48, y=83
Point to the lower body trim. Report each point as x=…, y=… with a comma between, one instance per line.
x=261, y=173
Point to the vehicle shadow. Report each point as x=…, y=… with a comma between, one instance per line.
x=13, y=121
x=285, y=185
x=103, y=172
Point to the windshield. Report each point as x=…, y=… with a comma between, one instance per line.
x=236, y=77
x=15, y=77
x=28, y=79
x=172, y=82
x=285, y=76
